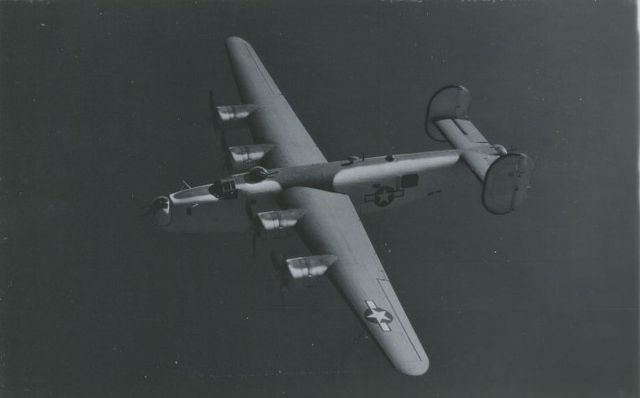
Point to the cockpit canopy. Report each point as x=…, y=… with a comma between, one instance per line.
x=224, y=189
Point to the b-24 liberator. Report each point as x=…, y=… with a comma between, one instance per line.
x=282, y=182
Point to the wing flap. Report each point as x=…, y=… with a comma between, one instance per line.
x=331, y=225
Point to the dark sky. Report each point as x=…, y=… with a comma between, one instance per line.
x=105, y=105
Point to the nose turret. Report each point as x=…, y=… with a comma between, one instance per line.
x=161, y=210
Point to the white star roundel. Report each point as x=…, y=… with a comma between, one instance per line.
x=375, y=314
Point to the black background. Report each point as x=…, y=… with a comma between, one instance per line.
x=105, y=106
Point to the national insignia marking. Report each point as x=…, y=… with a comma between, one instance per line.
x=384, y=195
x=375, y=314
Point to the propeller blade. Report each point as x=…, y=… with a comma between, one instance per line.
x=156, y=204
x=147, y=211
x=215, y=117
x=254, y=243
x=282, y=289
x=277, y=260
x=248, y=209
x=218, y=128
x=255, y=226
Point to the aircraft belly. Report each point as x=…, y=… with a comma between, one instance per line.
x=390, y=192
x=391, y=182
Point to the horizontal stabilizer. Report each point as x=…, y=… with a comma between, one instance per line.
x=505, y=176
x=475, y=149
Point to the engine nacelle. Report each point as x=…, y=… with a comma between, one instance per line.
x=230, y=113
x=245, y=157
x=274, y=222
x=311, y=266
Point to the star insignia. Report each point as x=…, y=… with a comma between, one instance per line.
x=375, y=314
x=383, y=196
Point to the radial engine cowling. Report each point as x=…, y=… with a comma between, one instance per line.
x=232, y=113
x=277, y=221
x=311, y=266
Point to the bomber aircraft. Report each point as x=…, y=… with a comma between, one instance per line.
x=283, y=182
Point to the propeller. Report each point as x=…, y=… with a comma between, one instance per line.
x=256, y=227
x=218, y=128
x=157, y=204
x=278, y=263
x=146, y=211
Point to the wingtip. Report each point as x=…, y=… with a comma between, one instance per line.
x=417, y=368
x=231, y=40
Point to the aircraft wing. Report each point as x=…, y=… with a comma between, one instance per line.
x=331, y=226
x=273, y=121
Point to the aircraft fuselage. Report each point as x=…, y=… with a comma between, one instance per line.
x=373, y=184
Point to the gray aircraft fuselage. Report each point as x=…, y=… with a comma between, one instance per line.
x=373, y=184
